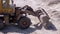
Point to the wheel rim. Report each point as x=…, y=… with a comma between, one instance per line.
x=24, y=24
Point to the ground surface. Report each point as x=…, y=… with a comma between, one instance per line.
x=52, y=7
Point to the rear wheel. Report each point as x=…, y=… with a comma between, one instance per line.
x=1, y=24
x=24, y=23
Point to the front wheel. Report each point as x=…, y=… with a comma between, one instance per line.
x=24, y=23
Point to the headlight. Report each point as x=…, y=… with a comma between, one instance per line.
x=1, y=15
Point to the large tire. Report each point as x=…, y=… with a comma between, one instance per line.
x=24, y=23
x=1, y=24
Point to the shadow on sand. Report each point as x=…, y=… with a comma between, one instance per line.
x=13, y=29
x=48, y=26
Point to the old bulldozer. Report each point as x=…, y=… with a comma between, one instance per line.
x=9, y=13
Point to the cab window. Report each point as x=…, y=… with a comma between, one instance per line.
x=4, y=3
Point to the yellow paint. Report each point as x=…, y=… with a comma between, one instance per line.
x=7, y=9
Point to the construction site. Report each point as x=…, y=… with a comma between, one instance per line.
x=29, y=16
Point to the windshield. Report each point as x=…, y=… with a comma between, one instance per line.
x=11, y=2
x=5, y=3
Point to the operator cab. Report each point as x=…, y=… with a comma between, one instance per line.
x=7, y=7
x=4, y=3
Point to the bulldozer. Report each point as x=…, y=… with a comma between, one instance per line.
x=9, y=13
